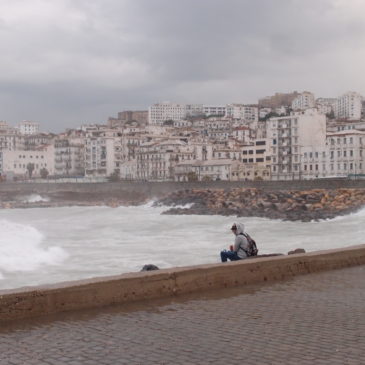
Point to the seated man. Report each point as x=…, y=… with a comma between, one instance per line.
x=240, y=247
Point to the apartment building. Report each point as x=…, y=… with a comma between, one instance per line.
x=69, y=158
x=156, y=160
x=348, y=106
x=342, y=156
x=288, y=135
x=214, y=110
x=203, y=170
x=303, y=101
x=249, y=171
x=242, y=111
x=27, y=127
x=162, y=112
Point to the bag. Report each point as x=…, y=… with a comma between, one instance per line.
x=252, y=248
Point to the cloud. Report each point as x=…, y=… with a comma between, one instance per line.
x=65, y=62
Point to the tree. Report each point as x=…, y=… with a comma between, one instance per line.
x=168, y=122
x=44, y=173
x=192, y=176
x=114, y=177
x=30, y=168
x=207, y=178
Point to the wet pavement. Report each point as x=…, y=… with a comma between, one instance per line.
x=312, y=319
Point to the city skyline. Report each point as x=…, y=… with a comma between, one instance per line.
x=70, y=63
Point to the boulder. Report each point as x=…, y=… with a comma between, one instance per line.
x=149, y=267
x=296, y=251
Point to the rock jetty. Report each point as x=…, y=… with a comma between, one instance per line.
x=287, y=205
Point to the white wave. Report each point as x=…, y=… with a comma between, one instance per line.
x=35, y=198
x=22, y=249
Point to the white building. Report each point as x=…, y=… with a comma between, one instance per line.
x=348, y=106
x=161, y=112
x=214, y=110
x=19, y=162
x=288, y=135
x=27, y=127
x=242, y=111
x=342, y=156
x=200, y=170
x=303, y=101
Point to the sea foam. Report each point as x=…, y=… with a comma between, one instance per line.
x=22, y=249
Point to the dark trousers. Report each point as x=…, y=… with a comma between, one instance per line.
x=230, y=255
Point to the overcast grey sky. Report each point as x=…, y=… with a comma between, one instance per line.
x=68, y=62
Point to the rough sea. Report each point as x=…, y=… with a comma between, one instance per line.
x=49, y=245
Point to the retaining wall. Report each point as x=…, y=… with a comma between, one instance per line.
x=160, y=188
x=36, y=301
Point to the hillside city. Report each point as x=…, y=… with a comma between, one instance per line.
x=287, y=136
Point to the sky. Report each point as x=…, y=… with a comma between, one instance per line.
x=65, y=63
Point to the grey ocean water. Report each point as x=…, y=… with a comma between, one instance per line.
x=48, y=245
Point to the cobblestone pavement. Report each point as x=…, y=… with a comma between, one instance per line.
x=312, y=319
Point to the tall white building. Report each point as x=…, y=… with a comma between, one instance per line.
x=303, y=101
x=288, y=136
x=161, y=112
x=214, y=110
x=348, y=106
x=27, y=127
x=241, y=111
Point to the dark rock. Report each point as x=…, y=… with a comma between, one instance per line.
x=149, y=267
x=296, y=251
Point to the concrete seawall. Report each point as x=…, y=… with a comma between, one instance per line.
x=93, y=293
x=160, y=188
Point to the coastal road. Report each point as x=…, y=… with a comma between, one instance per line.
x=312, y=319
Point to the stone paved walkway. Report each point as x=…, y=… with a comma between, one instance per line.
x=313, y=319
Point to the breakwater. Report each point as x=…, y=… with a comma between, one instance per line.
x=295, y=205
x=127, y=288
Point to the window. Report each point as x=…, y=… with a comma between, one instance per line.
x=244, y=152
x=259, y=160
x=305, y=167
x=338, y=153
x=310, y=155
x=250, y=152
x=323, y=154
x=316, y=167
x=345, y=166
x=244, y=160
x=344, y=140
x=259, y=152
x=311, y=167
x=351, y=140
x=250, y=160
x=351, y=166
x=344, y=153
x=332, y=154
x=351, y=153
x=305, y=154
x=260, y=143
x=316, y=154
x=274, y=141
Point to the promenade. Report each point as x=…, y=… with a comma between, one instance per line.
x=311, y=319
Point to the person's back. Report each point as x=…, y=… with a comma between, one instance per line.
x=241, y=244
x=240, y=247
